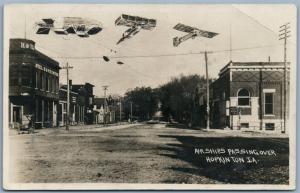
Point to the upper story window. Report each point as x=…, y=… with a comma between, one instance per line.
x=243, y=97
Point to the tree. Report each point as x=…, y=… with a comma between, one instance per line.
x=143, y=101
x=178, y=97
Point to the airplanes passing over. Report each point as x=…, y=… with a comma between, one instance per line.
x=192, y=33
x=135, y=24
x=69, y=25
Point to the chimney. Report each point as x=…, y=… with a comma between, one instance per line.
x=269, y=59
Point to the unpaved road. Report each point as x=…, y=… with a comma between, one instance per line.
x=140, y=154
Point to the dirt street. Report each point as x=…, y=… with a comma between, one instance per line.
x=142, y=153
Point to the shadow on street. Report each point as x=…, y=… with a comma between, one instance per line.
x=267, y=170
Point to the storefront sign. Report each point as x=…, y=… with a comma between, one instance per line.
x=43, y=68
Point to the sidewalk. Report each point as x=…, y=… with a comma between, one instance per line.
x=62, y=129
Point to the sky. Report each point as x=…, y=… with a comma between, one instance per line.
x=251, y=31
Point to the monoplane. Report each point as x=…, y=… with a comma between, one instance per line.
x=135, y=24
x=192, y=33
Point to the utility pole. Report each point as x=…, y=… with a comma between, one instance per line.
x=207, y=92
x=67, y=67
x=120, y=109
x=105, y=104
x=284, y=34
x=130, y=111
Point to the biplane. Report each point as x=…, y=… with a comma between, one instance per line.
x=69, y=25
x=135, y=24
x=192, y=33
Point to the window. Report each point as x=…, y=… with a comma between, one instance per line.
x=245, y=125
x=43, y=81
x=40, y=83
x=269, y=103
x=243, y=97
x=270, y=126
x=47, y=83
x=25, y=81
x=50, y=83
x=13, y=81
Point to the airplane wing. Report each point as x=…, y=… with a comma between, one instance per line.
x=207, y=34
x=82, y=34
x=129, y=21
x=70, y=30
x=43, y=30
x=188, y=29
x=184, y=28
x=48, y=21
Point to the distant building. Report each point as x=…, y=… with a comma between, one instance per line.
x=86, y=98
x=77, y=107
x=33, y=85
x=249, y=96
x=107, y=112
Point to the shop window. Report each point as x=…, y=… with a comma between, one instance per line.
x=270, y=126
x=269, y=110
x=243, y=97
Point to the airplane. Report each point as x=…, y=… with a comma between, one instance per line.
x=135, y=24
x=192, y=33
x=69, y=25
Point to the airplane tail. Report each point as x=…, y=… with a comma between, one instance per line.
x=43, y=30
x=176, y=41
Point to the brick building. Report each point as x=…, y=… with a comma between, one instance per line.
x=33, y=85
x=249, y=96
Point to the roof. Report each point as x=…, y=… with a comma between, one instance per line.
x=252, y=65
x=15, y=48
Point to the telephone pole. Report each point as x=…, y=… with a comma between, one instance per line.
x=130, y=111
x=283, y=35
x=67, y=67
x=105, y=104
x=120, y=109
x=207, y=91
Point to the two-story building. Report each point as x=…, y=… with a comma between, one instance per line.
x=249, y=96
x=77, y=107
x=86, y=99
x=33, y=85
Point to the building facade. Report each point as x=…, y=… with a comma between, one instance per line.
x=86, y=99
x=106, y=111
x=77, y=108
x=250, y=96
x=33, y=85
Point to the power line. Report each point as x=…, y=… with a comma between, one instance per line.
x=167, y=55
